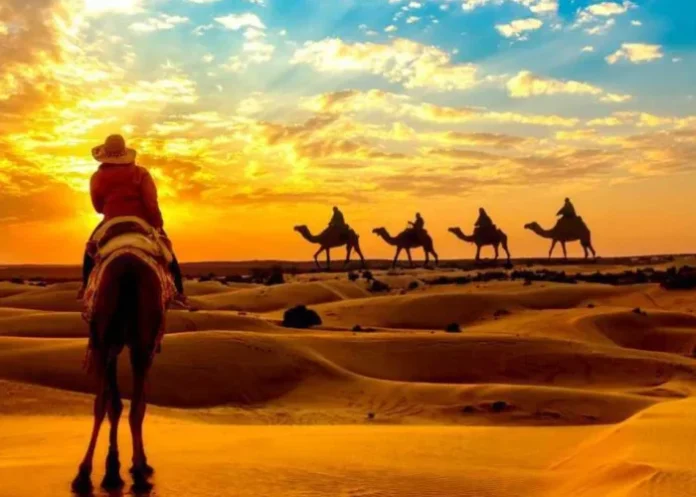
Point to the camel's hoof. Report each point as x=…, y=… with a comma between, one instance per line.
x=112, y=481
x=140, y=484
x=82, y=484
x=146, y=470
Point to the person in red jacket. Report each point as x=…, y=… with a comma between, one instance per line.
x=122, y=188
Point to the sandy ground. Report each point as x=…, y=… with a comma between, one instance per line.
x=549, y=389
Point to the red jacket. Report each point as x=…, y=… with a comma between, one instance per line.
x=125, y=190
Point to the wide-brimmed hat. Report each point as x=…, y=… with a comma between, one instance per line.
x=114, y=151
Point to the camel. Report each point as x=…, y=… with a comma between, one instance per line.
x=329, y=239
x=483, y=238
x=566, y=230
x=406, y=240
x=128, y=312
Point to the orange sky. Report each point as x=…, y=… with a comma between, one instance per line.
x=247, y=144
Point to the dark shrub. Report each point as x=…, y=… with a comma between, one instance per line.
x=301, y=317
x=453, y=328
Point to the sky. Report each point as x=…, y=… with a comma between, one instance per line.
x=254, y=116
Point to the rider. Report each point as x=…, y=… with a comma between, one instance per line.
x=418, y=224
x=483, y=222
x=337, y=220
x=567, y=211
x=121, y=188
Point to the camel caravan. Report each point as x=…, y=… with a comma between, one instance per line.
x=569, y=228
x=131, y=276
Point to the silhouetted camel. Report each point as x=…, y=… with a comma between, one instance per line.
x=128, y=312
x=329, y=239
x=566, y=230
x=484, y=237
x=406, y=240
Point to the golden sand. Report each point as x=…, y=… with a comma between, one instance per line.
x=567, y=393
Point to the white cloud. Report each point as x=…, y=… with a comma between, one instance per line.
x=600, y=29
x=518, y=27
x=536, y=6
x=606, y=9
x=527, y=84
x=390, y=29
x=615, y=98
x=636, y=23
x=412, y=19
x=402, y=61
x=160, y=23
x=636, y=53
x=202, y=29
x=588, y=48
x=99, y=7
x=235, y=22
x=208, y=58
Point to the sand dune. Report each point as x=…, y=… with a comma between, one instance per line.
x=549, y=389
x=264, y=299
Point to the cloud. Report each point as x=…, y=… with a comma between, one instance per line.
x=390, y=29
x=402, y=61
x=536, y=6
x=99, y=7
x=588, y=48
x=616, y=98
x=355, y=101
x=235, y=22
x=527, y=84
x=636, y=53
x=606, y=9
x=159, y=23
x=518, y=27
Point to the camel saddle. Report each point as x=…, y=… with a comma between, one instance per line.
x=486, y=230
x=129, y=232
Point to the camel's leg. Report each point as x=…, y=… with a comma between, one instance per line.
x=505, y=247
x=410, y=260
x=437, y=259
x=497, y=254
x=349, y=250
x=565, y=252
x=359, y=252
x=112, y=479
x=328, y=259
x=478, y=253
x=140, y=470
x=584, y=248
x=316, y=257
x=553, y=246
x=396, y=257
x=83, y=481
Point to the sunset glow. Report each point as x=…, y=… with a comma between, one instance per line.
x=255, y=116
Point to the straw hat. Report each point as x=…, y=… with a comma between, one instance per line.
x=114, y=151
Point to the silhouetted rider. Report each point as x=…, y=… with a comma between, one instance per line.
x=483, y=222
x=419, y=223
x=567, y=211
x=337, y=220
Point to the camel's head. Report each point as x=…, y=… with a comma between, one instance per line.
x=531, y=226
x=454, y=230
x=379, y=231
x=300, y=228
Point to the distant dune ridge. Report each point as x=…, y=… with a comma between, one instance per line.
x=550, y=389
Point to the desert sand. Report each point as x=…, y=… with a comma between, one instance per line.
x=549, y=389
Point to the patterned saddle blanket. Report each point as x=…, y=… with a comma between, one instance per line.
x=112, y=244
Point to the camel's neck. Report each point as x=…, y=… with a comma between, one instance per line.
x=462, y=236
x=542, y=232
x=387, y=237
x=307, y=235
